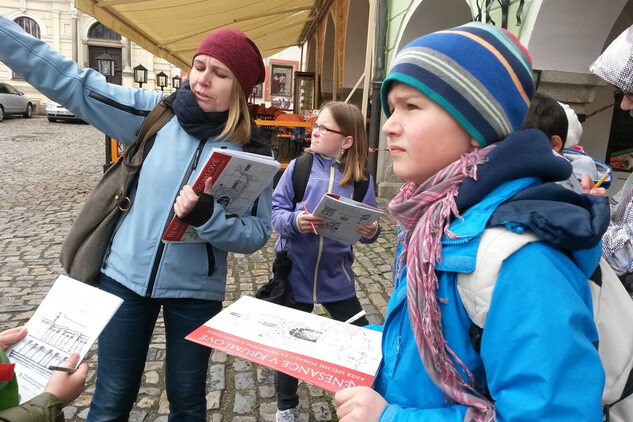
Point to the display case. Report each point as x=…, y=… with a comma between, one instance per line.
x=304, y=95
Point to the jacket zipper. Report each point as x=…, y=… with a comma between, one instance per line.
x=318, y=261
x=161, y=246
x=345, y=271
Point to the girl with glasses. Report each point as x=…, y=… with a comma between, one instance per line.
x=322, y=267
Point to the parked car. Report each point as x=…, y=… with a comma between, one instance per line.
x=55, y=111
x=13, y=102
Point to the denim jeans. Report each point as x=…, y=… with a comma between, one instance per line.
x=123, y=347
x=286, y=385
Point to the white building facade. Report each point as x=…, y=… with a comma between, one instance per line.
x=81, y=38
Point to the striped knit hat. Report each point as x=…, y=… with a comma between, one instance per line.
x=480, y=74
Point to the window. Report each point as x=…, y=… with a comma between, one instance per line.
x=12, y=90
x=103, y=32
x=29, y=26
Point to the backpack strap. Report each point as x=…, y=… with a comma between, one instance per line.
x=360, y=188
x=301, y=174
x=155, y=120
x=495, y=246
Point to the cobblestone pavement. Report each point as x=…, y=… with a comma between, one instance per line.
x=46, y=172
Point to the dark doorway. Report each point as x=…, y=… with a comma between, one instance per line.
x=115, y=53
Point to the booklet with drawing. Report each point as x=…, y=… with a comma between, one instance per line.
x=342, y=216
x=69, y=319
x=238, y=179
x=327, y=353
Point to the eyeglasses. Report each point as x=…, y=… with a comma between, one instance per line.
x=324, y=130
x=628, y=95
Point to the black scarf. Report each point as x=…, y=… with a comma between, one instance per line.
x=195, y=121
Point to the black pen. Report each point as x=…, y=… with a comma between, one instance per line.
x=62, y=368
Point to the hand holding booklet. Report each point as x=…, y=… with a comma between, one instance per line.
x=238, y=179
x=69, y=319
x=327, y=353
x=342, y=216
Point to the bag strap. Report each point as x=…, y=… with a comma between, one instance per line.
x=475, y=288
x=301, y=175
x=155, y=120
x=360, y=188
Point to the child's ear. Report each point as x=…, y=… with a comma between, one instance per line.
x=474, y=143
x=348, y=142
x=556, y=142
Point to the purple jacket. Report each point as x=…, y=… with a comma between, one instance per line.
x=321, y=267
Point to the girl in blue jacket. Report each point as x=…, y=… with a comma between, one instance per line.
x=450, y=98
x=322, y=267
x=186, y=280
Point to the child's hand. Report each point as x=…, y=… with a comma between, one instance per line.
x=11, y=336
x=359, y=404
x=304, y=219
x=587, y=185
x=67, y=387
x=368, y=230
x=187, y=198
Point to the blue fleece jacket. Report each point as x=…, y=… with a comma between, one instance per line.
x=321, y=267
x=539, y=344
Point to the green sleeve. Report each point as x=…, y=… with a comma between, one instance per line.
x=43, y=408
x=8, y=389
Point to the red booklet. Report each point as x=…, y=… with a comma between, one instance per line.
x=238, y=179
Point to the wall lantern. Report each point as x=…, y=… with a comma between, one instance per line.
x=140, y=75
x=105, y=65
x=161, y=80
x=175, y=82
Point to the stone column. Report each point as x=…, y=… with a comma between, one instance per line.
x=575, y=89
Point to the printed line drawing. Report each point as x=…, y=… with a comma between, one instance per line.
x=51, y=347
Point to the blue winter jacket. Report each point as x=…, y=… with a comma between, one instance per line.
x=181, y=270
x=539, y=345
x=321, y=267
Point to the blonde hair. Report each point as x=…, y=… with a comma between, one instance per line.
x=238, y=123
x=351, y=122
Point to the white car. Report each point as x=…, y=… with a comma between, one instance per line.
x=55, y=111
x=13, y=102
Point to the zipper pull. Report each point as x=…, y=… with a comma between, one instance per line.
x=196, y=157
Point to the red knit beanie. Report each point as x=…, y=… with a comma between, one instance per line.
x=233, y=48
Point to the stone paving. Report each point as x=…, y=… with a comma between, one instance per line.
x=46, y=172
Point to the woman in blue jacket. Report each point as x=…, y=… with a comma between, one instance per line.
x=186, y=280
x=450, y=97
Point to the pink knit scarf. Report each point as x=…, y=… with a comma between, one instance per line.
x=423, y=213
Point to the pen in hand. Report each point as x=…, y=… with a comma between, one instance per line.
x=62, y=368
x=308, y=212
x=602, y=179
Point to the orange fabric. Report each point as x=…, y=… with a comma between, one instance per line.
x=289, y=117
x=310, y=119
